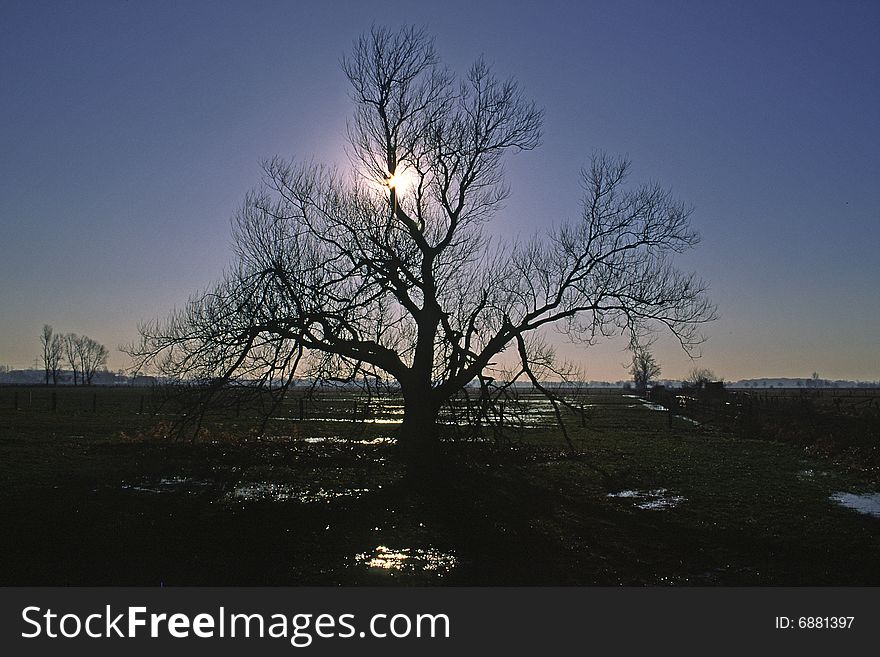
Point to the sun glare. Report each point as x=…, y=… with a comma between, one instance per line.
x=400, y=180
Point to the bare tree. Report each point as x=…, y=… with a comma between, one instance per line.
x=84, y=356
x=46, y=342
x=92, y=355
x=698, y=377
x=644, y=369
x=385, y=274
x=53, y=349
x=71, y=354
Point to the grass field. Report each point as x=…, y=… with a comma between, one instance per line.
x=93, y=494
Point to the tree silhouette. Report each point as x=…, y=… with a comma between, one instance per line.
x=53, y=350
x=698, y=377
x=92, y=355
x=71, y=343
x=644, y=369
x=84, y=356
x=385, y=273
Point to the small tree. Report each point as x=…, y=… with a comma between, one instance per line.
x=53, y=350
x=71, y=354
x=92, y=355
x=84, y=356
x=698, y=377
x=644, y=369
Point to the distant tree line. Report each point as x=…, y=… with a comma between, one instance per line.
x=80, y=353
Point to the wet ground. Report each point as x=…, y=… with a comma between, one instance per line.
x=866, y=503
x=308, y=503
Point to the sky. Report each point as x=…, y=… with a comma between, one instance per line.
x=130, y=132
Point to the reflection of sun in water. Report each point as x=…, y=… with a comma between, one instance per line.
x=411, y=560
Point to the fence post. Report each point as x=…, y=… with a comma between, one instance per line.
x=301, y=410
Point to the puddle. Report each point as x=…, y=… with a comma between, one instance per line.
x=314, y=440
x=811, y=474
x=358, y=420
x=869, y=503
x=651, y=500
x=522, y=412
x=646, y=404
x=510, y=423
x=378, y=440
x=267, y=491
x=187, y=485
x=407, y=560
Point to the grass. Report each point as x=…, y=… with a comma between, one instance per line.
x=90, y=498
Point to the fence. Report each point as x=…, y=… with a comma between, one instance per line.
x=76, y=399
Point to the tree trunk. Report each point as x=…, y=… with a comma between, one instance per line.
x=419, y=444
x=419, y=432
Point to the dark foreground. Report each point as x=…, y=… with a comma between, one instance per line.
x=91, y=495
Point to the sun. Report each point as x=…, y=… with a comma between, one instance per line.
x=400, y=181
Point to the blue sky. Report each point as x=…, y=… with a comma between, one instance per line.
x=130, y=131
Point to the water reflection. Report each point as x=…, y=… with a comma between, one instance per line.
x=651, y=500
x=811, y=474
x=268, y=491
x=868, y=503
x=407, y=560
x=176, y=484
x=369, y=420
x=378, y=440
x=527, y=411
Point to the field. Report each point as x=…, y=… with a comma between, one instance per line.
x=95, y=492
x=841, y=424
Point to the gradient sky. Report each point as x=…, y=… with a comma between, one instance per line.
x=129, y=132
